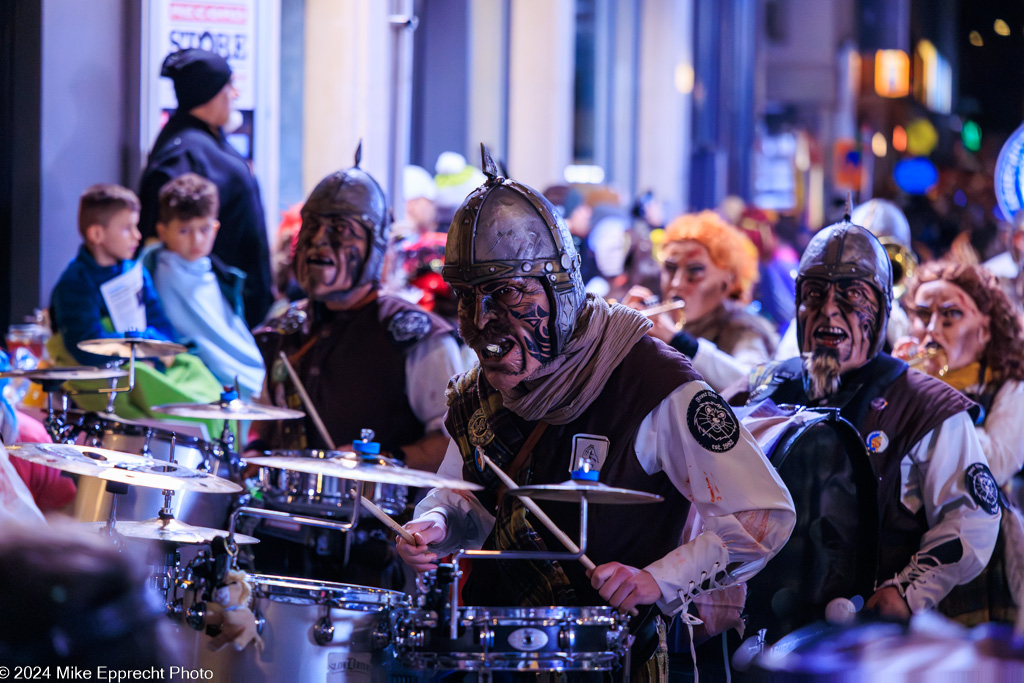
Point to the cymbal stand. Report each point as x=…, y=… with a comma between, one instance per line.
x=56, y=425
x=510, y=555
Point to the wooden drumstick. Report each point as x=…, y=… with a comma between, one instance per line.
x=385, y=518
x=308, y=402
x=535, y=509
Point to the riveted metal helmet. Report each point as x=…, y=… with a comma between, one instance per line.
x=505, y=229
x=845, y=251
x=351, y=194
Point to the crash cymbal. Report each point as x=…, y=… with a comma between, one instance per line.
x=122, y=348
x=573, y=491
x=350, y=466
x=127, y=468
x=170, y=530
x=228, y=410
x=66, y=374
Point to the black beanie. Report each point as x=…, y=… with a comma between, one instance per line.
x=198, y=75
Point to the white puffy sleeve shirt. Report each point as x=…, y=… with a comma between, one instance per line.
x=748, y=512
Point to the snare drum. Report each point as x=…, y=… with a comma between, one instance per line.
x=318, y=495
x=312, y=631
x=92, y=504
x=514, y=639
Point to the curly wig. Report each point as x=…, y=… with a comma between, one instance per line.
x=729, y=248
x=1004, y=355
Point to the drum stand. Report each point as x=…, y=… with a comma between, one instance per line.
x=453, y=594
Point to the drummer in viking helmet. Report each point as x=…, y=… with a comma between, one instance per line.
x=367, y=360
x=565, y=383
x=938, y=507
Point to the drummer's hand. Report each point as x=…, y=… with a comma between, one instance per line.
x=887, y=602
x=418, y=556
x=624, y=587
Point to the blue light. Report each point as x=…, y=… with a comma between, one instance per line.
x=959, y=198
x=916, y=175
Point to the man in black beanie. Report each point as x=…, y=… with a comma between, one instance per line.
x=192, y=141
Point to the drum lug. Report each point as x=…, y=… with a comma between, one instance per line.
x=174, y=609
x=323, y=631
x=567, y=638
x=381, y=636
x=485, y=637
x=261, y=621
x=195, y=616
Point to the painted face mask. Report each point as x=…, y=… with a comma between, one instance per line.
x=945, y=316
x=688, y=273
x=330, y=258
x=841, y=316
x=507, y=322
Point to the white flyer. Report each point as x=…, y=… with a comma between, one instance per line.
x=123, y=297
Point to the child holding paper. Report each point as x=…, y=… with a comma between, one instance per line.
x=103, y=293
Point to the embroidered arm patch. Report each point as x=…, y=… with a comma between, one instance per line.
x=982, y=487
x=712, y=422
x=409, y=326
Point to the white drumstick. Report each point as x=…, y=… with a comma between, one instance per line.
x=308, y=402
x=386, y=519
x=663, y=308
x=535, y=509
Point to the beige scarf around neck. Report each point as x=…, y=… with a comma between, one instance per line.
x=561, y=390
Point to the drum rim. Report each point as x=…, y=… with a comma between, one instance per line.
x=159, y=433
x=342, y=595
x=328, y=454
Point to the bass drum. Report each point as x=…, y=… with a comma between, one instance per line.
x=834, y=546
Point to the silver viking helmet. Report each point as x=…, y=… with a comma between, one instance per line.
x=844, y=251
x=352, y=194
x=505, y=229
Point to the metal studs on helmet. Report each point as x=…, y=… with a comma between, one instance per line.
x=844, y=251
x=505, y=229
x=351, y=194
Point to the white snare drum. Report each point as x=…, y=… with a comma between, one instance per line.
x=315, y=494
x=312, y=631
x=514, y=639
x=92, y=504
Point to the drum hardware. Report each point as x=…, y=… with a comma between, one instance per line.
x=323, y=630
x=131, y=346
x=296, y=519
x=347, y=465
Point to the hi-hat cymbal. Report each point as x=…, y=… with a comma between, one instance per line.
x=170, y=530
x=116, y=466
x=122, y=348
x=574, y=490
x=228, y=410
x=66, y=374
x=352, y=467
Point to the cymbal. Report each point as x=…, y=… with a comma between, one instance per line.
x=228, y=410
x=127, y=468
x=170, y=530
x=574, y=490
x=122, y=347
x=66, y=374
x=351, y=467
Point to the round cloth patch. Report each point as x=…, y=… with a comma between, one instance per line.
x=712, y=422
x=480, y=433
x=982, y=487
x=409, y=325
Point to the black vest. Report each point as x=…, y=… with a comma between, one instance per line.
x=632, y=534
